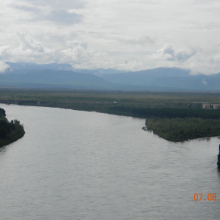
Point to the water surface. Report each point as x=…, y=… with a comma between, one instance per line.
x=86, y=165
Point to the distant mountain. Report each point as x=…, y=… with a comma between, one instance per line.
x=53, y=79
x=18, y=67
x=62, y=76
x=61, y=79
x=27, y=66
x=148, y=77
x=172, y=79
x=100, y=72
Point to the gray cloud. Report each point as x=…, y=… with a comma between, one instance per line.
x=183, y=55
x=57, y=4
x=201, y=2
x=138, y=41
x=58, y=13
x=28, y=42
x=63, y=17
x=202, y=26
x=171, y=55
x=26, y=8
x=167, y=49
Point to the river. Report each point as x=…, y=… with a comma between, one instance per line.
x=93, y=166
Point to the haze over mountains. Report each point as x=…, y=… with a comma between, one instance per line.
x=62, y=76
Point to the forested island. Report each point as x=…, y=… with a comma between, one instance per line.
x=9, y=131
x=182, y=129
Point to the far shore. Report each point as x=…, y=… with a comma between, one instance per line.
x=176, y=117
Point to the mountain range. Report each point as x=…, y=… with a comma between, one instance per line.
x=63, y=76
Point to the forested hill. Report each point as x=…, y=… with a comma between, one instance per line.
x=9, y=131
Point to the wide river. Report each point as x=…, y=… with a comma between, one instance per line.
x=92, y=166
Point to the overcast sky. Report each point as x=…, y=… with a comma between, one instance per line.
x=120, y=34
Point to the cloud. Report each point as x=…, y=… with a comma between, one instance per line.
x=166, y=49
x=63, y=17
x=74, y=43
x=183, y=55
x=26, y=8
x=27, y=42
x=57, y=4
x=204, y=82
x=31, y=50
x=3, y=67
x=75, y=54
x=129, y=34
x=198, y=60
x=56, y=12
x=168, y=53
x=142, y=41
x=3, y=51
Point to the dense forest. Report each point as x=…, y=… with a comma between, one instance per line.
x=164, y=112
x=181, y=129
x=9, y=131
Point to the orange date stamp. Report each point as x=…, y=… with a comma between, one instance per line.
x=210, y=197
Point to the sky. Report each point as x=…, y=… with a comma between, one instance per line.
x=121, y=34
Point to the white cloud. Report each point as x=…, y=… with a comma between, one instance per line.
x=142, y=41
x=168, y=53
x=3, y=67
x=27, y=42
x=56, y=4
x=123, y=34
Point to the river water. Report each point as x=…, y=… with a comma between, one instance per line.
x=87, y=165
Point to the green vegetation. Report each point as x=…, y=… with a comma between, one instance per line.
x=9, y=131
x=173, y=108
x=181, y=129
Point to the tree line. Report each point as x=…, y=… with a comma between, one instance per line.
x=181, y=129
x=9, y=131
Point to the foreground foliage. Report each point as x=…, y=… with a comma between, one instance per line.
x=9, y=131
x=181, y=129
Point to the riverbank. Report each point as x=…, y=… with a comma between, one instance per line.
x=175, y=125
x=166, y=107
x=9, y=131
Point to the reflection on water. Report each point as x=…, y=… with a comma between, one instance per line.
x=3, y=149
x=87, y=165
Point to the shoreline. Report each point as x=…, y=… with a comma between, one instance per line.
x=171, y=139
x=9, y=131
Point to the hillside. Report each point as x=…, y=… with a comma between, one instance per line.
x=36, y=78
x=172, y=79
